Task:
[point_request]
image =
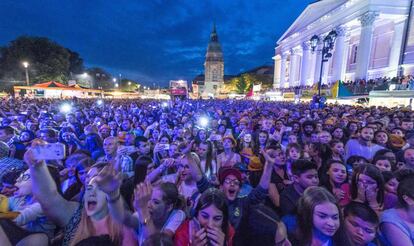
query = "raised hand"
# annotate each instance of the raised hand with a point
(108, 180)
(188, 148)
(29, 158)
(267, 157)
(142, 195)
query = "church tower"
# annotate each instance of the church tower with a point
(213, 67)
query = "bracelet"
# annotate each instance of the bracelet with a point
(113, 200)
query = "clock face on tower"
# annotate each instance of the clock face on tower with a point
(214, 75)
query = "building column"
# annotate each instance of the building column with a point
(293, 71)
(305, 63)
(339, 61)
(283, 71)
(365, 44)
(277, 72)
(395, 52)
(318, 59)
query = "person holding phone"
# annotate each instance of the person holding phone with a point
(210, 225)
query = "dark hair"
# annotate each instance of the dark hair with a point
(140, 168)
(405, 188)
(164, 136)
(216, 198)
(361, 210)
(387, 175)
(312, 197)
(209, 157)
(354, 158)
(374, 173)
(50, 132)
(380, 158)
(325, 177)
(8, 129)
(140, 139)
(96, 241)
(300, 166)
(171, 196)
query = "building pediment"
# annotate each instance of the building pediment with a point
(312, 12)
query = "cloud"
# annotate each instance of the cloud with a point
(155, 40)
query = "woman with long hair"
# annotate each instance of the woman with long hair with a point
(336, 181)
(207, 160)
(31, 224)
(158, 209)
(210, 224)
(367, 186)
(397, 224)
(319, 219)
(80, 220)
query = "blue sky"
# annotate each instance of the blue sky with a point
(154, 41)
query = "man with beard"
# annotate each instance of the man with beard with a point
(363, 146)
(308, 127)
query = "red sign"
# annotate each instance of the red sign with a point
(179, 92)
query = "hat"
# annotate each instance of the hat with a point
(396, 141)
(231, 138)
(121, 136)
(246, 152)
(226, 171)
(4, 149)
(330, 121)
(255, 164)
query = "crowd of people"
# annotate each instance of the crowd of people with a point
(205, 172)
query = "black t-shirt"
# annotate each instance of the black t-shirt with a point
(289, 200)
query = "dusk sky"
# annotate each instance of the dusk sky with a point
(154, 41)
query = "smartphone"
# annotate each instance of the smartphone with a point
(51, 151)
(288, 128)
(165, 146)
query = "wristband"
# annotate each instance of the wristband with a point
(110, 195)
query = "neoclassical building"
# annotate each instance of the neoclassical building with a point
(375, 39)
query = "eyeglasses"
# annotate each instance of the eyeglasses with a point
(23, 177)
(234, 182)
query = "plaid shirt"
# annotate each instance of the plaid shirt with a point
(8, 164)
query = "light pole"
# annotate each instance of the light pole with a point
(26, 66)
(328, 44)
(115, 84)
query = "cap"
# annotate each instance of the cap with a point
(396, 141)
(231, 138)
(226, 171)
(121, 136)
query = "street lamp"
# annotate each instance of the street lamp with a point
(129, 83)
(26, 66)
(328, 44)
(116, 85)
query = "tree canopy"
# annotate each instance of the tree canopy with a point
(47, 60)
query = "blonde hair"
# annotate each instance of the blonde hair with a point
(86, 229)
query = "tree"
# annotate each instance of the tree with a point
(243, 83)
(48, 60)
